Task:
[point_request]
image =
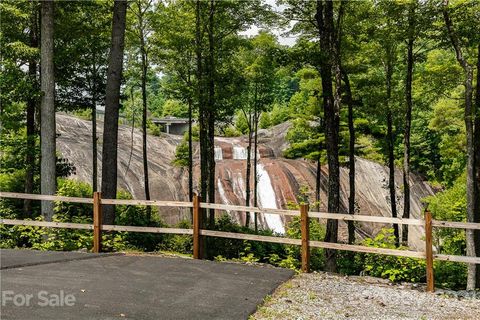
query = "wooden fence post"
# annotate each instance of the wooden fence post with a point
(429, 251)
(197, 224)
(97, 222)
(305, 238)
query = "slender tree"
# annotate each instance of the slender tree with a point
(472, 216)
(94, 135)
(476, 234)
(83, 30)
(142, 32)
(211, 105)
(326, 30)
(47, 113)
(248, 174)
(408, 120)
(259, 66)
(318, 179)
(190, 152)
(199, 34)
(112, 105)
(32, 104)
(172, 47)
(391, 143)
(255, 162)
(351, 155)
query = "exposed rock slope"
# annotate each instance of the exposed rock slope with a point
(279, 179)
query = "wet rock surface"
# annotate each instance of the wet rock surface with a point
(330, 296)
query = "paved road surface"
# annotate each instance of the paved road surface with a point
(132, 287)
(12, 258)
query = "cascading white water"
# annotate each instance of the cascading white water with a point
(218, 153)
(239, 153)
(222, 193)
(267, 198)
(238, 186)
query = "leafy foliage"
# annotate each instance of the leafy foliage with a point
(393, 268)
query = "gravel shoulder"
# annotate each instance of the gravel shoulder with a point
(329, 296)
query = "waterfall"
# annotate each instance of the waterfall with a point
(239, 186)
(239, 153)
(267, 199)
(222, 193)
(218, 153)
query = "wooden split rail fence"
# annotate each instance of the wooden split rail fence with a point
(198, 232)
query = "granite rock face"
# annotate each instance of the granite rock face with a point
(280, 180)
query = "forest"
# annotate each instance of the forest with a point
(396, 82)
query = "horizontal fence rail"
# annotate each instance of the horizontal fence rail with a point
(228, 207)
(146, 229)
(365, 218)
(198, 232)
(252, 237)
(456, 225)
(28, 196)
(48, 224)
(157, 203)
(365, 249)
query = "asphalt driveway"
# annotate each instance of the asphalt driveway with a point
(86, 286)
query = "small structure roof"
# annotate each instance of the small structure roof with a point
(169, 120)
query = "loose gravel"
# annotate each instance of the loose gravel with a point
(330, 296)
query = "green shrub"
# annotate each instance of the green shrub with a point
(265, 121)
(317, 233)
(391, 267)
(279, 114)
(137, 216)
(450, 275)
(349, 262)
(179, 243)
(75, 239)
(73, 188)
(85, 114)
(231, 131)
(153, 129)
(450, 205)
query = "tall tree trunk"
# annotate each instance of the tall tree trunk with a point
(190, 151)
(471, 175)
(351, 158)
(211, 110)
(211, 166)
(94, 144)
(390, 143)
(476, 233)
(324, 18)
(93, 88)
(190, 156)
(249, 166)
(391, 173)
(202, 112)
(255, 164)
(408, 122)
(112, 106)
(143, 50)
(318, 181)
(318, 175)
(31, 106)
(47, 113)
(469, 126)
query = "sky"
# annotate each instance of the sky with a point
(285, 40)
